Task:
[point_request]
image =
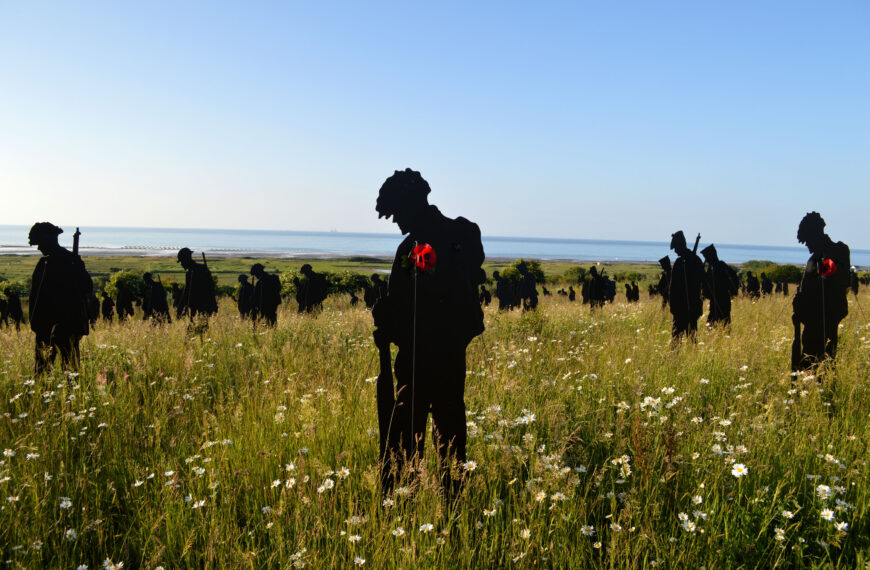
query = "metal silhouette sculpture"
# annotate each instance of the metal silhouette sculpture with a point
(124, 302)
(107, 307)
(505, 292)
(245, 301)
(59, 296)
(154, 303)
(311, 290)
(13, 309)
(374, 291)
(721, 283)
(198, 299)
(267, 294)
(753, 288)
(664, 284)
(527, 287)
(820, 302)
(684, 295)
(432, 312)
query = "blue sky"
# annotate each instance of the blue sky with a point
(575, 120)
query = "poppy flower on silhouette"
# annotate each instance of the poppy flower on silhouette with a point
(423, 257)
(827, 267)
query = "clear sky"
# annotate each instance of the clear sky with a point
(612, 120)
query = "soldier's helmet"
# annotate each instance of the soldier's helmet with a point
(184, 253)
(403, 189)
(257, 269)
(709, 253)
(811, 225)
(146, 276)
(665, 263)
(678, 239)
(41, 231)
(375, 277)
(243, 278)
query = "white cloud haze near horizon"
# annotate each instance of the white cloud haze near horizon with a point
(566, 120)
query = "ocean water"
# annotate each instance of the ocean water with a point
(164, 241)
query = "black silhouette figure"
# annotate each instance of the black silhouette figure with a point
(485, 296)
(93, 308)
(504, 292)
(375, 291)
(311, 290)
(753, 288)
(267, 294)
(684, 295)
(198, 296)
(177, 304)
(59, 296)
(14, 310)
(766, 284)
(545, 291)
(594, 289)
(154, 303)
(124, 302)
(528, 288)
(245, 301)
(777, 288)
(571, 293)
(785, 288)
(4, 312)
(354, 300)
(431, 314)
(721, 283)
(853, 281)
(107, 307)
(664, 286)
(820, 302)
(635, 291)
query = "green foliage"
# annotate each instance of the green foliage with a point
(22, 288)
(776, 272)
(574, 274)
(132, 280)
(534, 266)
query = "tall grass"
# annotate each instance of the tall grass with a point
(594, 444)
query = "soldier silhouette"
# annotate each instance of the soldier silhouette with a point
(154, 303)
(664, 286)
(107, 307)
(752, 285)
(14, 308)
(93, 308)
(198, 296)
(545, 291)
(597, 293)
(720, 284)
(4, 312)
(245, 301)
(58, 300)
(354, 300)
(504, 291)
(528, 288)
(375, 291)
(267, 294)
(628, 293)
(820, 302)
(485, 296)
(777, 288)
(431, 313)
(635, 291)
(311, 290)
(571, 293)
(684, 295)
(853, 281)
(124, 302)
(785, 288)
(766, 284)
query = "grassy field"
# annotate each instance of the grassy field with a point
(593, 442)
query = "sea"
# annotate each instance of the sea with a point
(296, 244)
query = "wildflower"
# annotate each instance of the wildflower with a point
(787, 515)
(279, 418)
(828, 514)
(359, 561)
(169, 473)
(824, 492)
(470, 465)
(739, 470)
(290, 483)
(266, 510)
(31, 456)
(65, 502)
(540, 496)
(697, 500)
(109, 565)
(525, 534)
(596, 545)
(688, 526)
(842, 526)
(587, 530)
(489, 512)
(399, 532)
(615, 527)
(683, 517)
(354, 538)
(343, 473)
(71, 534)
(8, 453)
(780, 534)
(138, 483)
(276, 483)
(388, 502)
(697, 420)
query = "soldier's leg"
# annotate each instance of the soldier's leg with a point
(68, 348)
(43, 355)
(448, 418)
(831, 339)
(812, 344)
(409, 419)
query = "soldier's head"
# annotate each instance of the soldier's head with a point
(185, 257)
(522, 268)
(404, 196)
(678, 241)
(763, 275)
(257, 270)
(811, 231)
(665, 263)
(748, 274)
(710, 254)
(593, 271)
(306, 270)
(44, 236)
(376, 278)
(146, 277)
(496, 275)
(243, 278)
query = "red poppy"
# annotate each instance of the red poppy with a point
(423, 257)
(827, 267)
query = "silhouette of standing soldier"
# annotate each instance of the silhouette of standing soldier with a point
(504, 291)
(4, 312)
(311, 290)
(571, 293)
(766, 284)
(485, 296)
(245, 301)
(752, 285)
(107, 307)
(853, 281)
(267, 294)
(685, 290)
(597, 288)
(124, 302)
(431, 313)
(375, 291)
(820, 302)
(635, 291)
(198, 296)
(58, 300)
(14, 308)
(528, 288)
(154, 304)
(664, 286)
(720, 284)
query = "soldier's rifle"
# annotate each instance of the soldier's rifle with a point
(697, 241)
